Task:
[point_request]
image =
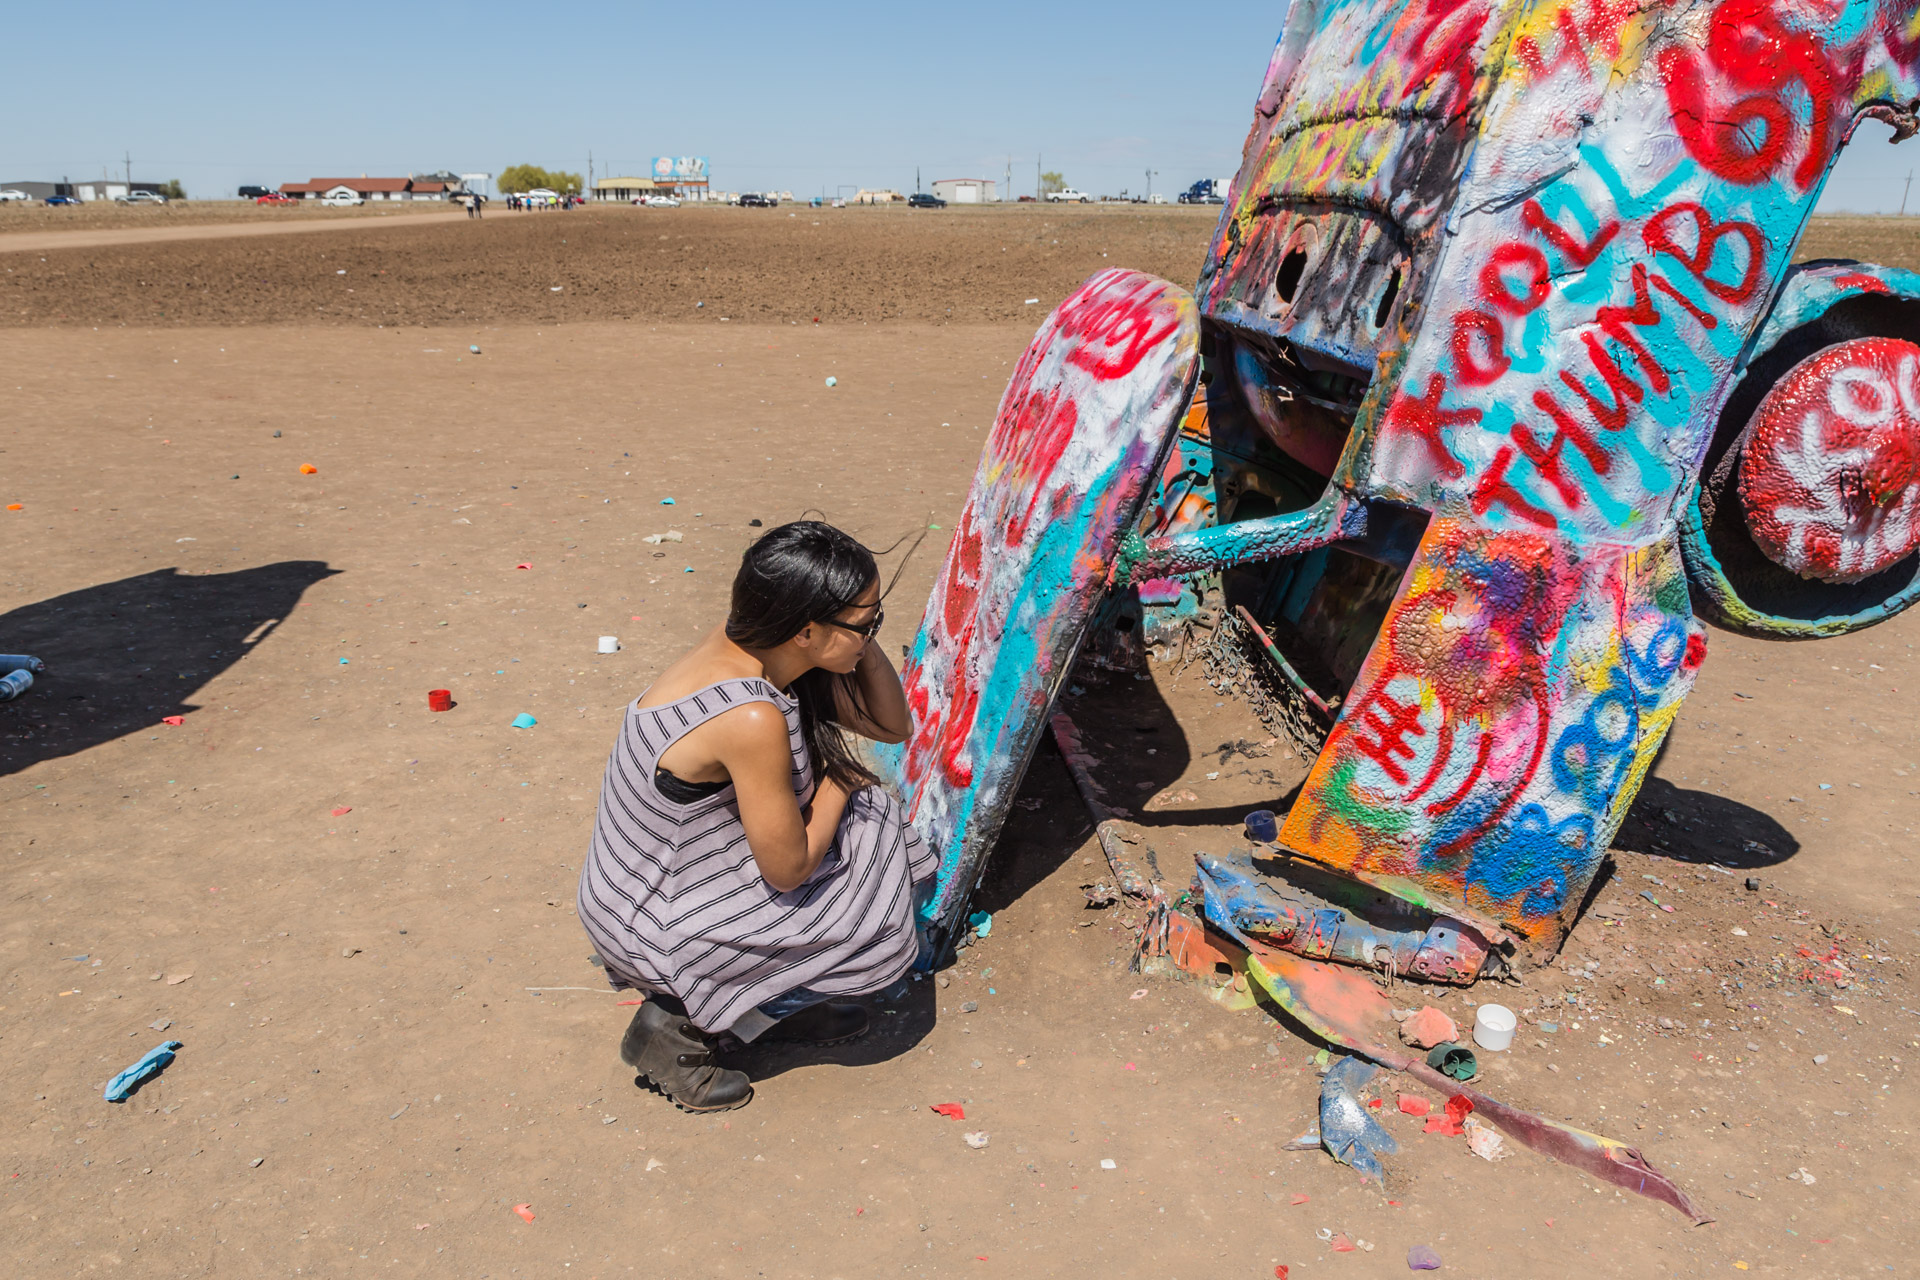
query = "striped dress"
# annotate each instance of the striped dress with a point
(674, 903)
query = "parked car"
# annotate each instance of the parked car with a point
(254, 193)
(660, 202)
(143, 197)
(921, 200)
(755, 200)
(339, 201)
(274, 197)
(1069, 194)
(61, 200)
(10, 195)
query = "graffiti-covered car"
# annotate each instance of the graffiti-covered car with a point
(1496, 373)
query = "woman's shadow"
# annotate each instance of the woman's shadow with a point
(122, 655)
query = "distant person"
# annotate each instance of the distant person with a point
(745, 866)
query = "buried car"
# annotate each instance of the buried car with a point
(1496, 371)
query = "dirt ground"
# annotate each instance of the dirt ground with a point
(299, 879)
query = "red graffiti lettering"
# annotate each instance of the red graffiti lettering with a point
(1572, 53)
(1115, 330)
(1705, 319)
(1707, 235)
(1452, 56)
(1498, 287)
(1494, 487)
(963, 579)
(1390, 733)
(1045, 428)
(1613, 321)
(1611, 416)
(1580, 255)
(1479, 347)
(1756, 56)
(1423, 418)
(1546, 457)
(1564, 425)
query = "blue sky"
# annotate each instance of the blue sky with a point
(807, 97)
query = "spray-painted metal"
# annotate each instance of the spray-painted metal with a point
(1504, 362)
(1078, 440)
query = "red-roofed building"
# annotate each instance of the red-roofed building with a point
(367, 188)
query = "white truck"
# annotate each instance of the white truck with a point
(1069, 194)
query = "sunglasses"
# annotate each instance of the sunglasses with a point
(866, 630)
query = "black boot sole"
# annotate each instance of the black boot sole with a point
(646, 1082)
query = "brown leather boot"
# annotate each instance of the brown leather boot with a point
(677, 1058)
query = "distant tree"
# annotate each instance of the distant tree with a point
(516, 178)
(1051, 181)
(172, 189)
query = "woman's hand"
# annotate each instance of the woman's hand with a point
(881, 712)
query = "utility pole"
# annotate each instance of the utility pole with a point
(1038, 163)
(916, 179)
(1904, 194)
(589, 191)
(129, 158)
(1006, 191)
(1149, 186)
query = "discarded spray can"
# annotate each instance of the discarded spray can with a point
(15, 683)
(11, 662)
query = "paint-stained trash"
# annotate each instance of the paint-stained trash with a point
(1413, 1105)
(1484, 1140)
(977, 1139)
(672, 535)
(525, 1211)
(666, 502)
(1108, 1164)
(122, 1086)
(523, 721)
(951, 1110)
(1349, 1134)
(608, 644)
(1452, 1122)
(981, 923)
(342, 811)
(1262, 827)
(833, 382)
(175, 721)
(1429, 1027)
(474, 348)
(1422, 1258)
(308, 469)
(1455, 1061)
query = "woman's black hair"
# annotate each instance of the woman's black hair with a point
(793, 575)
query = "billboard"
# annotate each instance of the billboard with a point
(681, 168)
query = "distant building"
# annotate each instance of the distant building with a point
(39, 190)
(627, 190)
(110, 189)
(965, 190)
(371, 189)
(878, 195)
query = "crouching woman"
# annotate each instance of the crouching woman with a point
(746, 866)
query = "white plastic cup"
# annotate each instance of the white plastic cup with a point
(1493, 1027)
(609, 644)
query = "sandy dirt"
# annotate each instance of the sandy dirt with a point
(108, 215)
(65, 238)
(299, 880)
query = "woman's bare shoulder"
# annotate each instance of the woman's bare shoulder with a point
(701, 667)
